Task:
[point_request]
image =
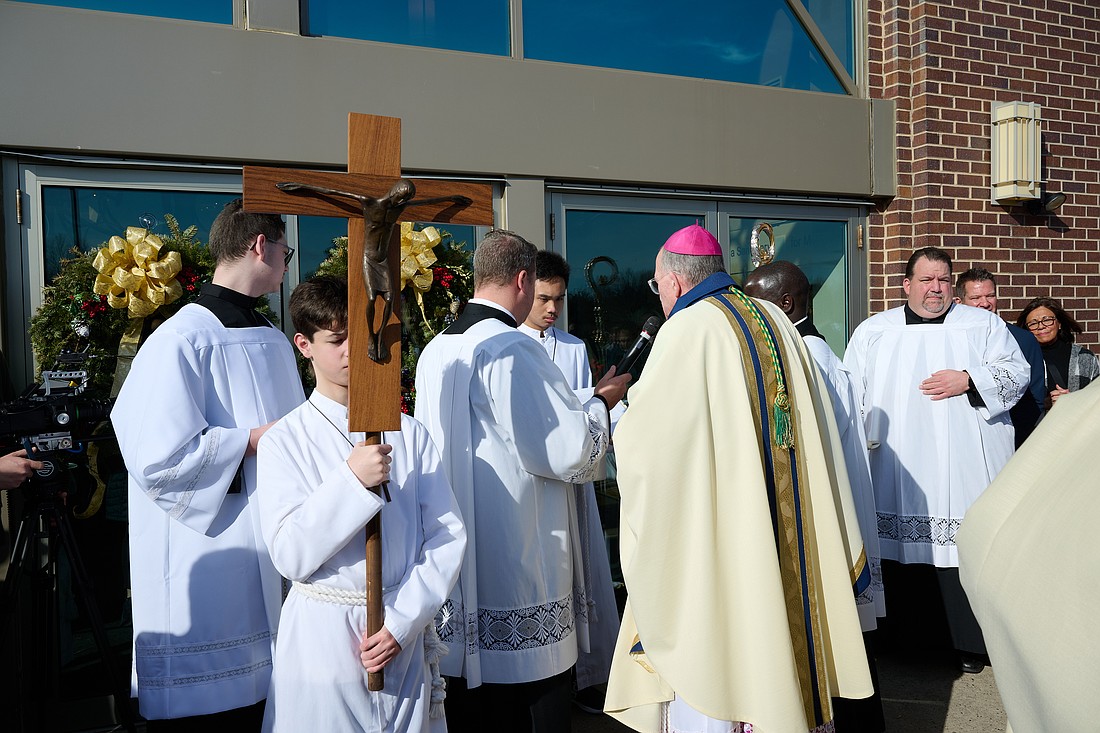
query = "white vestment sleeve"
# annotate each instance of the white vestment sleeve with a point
(1003, 376)
(427, 582)
(555, 435)
(172, 453)
(304, 526)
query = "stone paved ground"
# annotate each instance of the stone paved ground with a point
(921, 693)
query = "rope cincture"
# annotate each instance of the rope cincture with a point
(783, 435)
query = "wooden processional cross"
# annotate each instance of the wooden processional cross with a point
(373, 197)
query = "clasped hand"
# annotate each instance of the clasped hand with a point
(370, 463)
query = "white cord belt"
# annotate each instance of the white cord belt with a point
(328, 594)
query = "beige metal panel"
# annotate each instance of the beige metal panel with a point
(127, 85)
(524, 209)
(884, 176)
(272, 15)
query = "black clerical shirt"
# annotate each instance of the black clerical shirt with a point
(233, 309)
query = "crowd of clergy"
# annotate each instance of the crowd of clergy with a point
(777, 503)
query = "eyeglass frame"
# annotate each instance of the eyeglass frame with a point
(653, 282)
(289, 251)
(1041, 322)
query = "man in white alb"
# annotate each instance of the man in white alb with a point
(513, 439)
(571, 356)
(938, 381)
(202, 390)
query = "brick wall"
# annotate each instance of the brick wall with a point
(945, 63)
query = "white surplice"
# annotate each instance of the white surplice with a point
(206, 597)
(513, 438)
(930, 459)
(313, 512)
(594, 666)
(845, 399)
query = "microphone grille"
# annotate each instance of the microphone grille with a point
(651, 325)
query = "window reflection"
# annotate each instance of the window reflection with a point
(209, 11)
(755, 43)
(86, 217)
(611, 255)
(477, 26)
(819, 248)
(835, 20)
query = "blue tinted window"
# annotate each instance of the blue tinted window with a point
(87, 217)
(210, 11)
(834, 20)
(478, 26)
(760, 42)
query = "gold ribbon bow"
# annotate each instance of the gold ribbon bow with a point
(417, 257)
(132, 277)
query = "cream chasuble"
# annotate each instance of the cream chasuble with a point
(1029, 563)
(739, 556)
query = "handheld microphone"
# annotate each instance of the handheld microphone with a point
(649, 330)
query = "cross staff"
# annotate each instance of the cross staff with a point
(374, 166)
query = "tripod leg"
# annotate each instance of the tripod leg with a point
(84, 593)
(15, 572)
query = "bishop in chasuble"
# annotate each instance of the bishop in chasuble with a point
(513, 438)
(201, 391)
(738, 536)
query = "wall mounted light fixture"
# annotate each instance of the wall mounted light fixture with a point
(1016, 153)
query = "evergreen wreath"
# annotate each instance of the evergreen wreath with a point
(75, 317)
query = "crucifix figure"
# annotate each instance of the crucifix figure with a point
(373, 197)
(380, 214)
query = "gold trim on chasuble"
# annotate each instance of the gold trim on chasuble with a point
(792, 521)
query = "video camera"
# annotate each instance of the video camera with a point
(54, 416)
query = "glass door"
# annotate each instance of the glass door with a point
(819, 240)
(610, 244)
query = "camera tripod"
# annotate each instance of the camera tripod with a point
(46, 521)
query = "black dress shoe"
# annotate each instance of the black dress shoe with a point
(971, 663)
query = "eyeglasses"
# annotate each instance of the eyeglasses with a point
(289, 251)
(1041, 323)
(288, 255)
(652, 282)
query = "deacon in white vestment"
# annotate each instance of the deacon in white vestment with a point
(936, 450)
(513, 438)
(938, 381)
(201, 391)
(740, 553)
(571, 356)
